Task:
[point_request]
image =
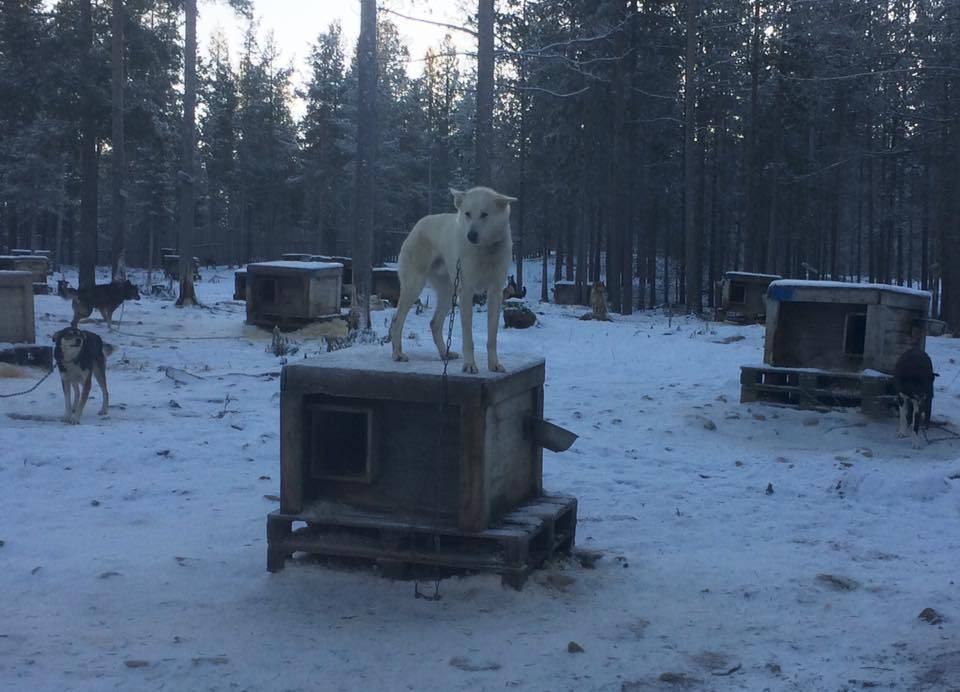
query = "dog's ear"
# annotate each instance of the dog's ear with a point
(504, 200)
(458, 196)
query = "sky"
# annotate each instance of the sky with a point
(296, 23)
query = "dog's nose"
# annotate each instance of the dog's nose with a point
(472, 236)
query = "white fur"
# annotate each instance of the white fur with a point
(432, 251)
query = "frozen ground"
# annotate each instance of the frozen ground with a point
(132, 548)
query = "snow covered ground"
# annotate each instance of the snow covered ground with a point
(132, 548)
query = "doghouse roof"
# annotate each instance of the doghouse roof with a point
(10, 277)
(378, 376)
(796, 290)
(289, 265)
(750, 276)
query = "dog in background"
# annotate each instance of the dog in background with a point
(476, 239)
(598, 303)
(512, 290)
(80, 356)
(913, 379)
(105, 298)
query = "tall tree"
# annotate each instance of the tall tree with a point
(485, 97)
(117, 146)
(89, 151)
(324, 138)
(692, 230)
(363, 194)
(188, 294)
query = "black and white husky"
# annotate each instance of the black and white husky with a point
(913, 378)
(80, 356)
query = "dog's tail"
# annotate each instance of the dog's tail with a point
(108, 349)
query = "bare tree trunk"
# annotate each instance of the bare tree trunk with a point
(925, 228)
(88, 155)
(545, 267)
(632, 150)
(118, 155)
(694, 280)
(750, 231)
(522, 192)
(363, 192)
(188, 295)
(485, 74)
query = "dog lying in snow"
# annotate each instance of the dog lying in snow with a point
(106, 298)
(913, 379)
(478, 238)
(80, 356)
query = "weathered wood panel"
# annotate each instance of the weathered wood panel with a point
(465, 464)
(16, 308)
(288, 291)
(511, 455)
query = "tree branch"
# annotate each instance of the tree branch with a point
(453, 27)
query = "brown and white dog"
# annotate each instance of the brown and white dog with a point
(80, 356)
(105, 298)
(913, 379)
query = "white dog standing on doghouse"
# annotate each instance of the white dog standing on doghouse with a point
(478, 236)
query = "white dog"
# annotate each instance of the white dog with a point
(478, 237)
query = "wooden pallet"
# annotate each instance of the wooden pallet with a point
(513, 547)
(813, 389)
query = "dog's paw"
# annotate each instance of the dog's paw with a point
(401, 357)
(497, 368)
(103, 413)
(470, 368)
(452, 355)
(901, 434)
(71, 420)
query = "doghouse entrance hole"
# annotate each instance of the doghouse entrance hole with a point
(267, 290)
(855, 334)
(738, 293)
(341, 443)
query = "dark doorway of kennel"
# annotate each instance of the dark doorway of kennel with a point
(341, 442)
(855, 334)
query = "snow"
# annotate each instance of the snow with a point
(889, 288)
(421, 362)
(134, 549)
(290, 264)
(751, 275)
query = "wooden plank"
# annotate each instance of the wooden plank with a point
(17, 318)
(474, 511)
(509, 453)
(292, 448)
(536, 481)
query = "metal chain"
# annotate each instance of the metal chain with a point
(453, 311)
(38, 383)
(444, 400)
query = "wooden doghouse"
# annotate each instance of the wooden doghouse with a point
(17, 329)
(386, 284)
(830, 343)
(16, 308)
(37, 265)
(240, 284)
(377, 465)
(171, 267)
(292, 293)
(566, 293)
(346, 290)
(742, 296)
